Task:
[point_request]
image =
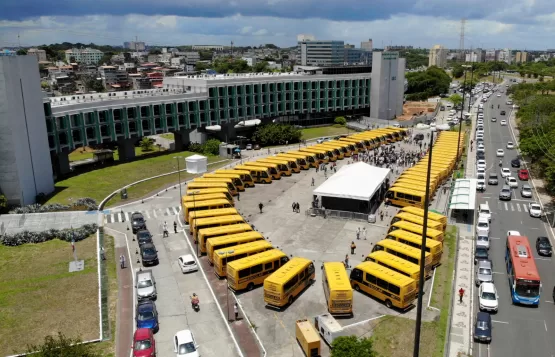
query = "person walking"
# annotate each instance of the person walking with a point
(122, 261)
(298, 208)
(236, 311)
(346, 261)
(353, 247)
(238, 196)
(175, 227)
(102, 253)
(312, 184)
(461, 294)
(381, 215)
(165, 229)
(260, 206)
(294, 206)
(358, 233)
(364, 233)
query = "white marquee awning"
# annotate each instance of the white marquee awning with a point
(464, 195)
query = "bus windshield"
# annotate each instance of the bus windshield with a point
(527, 288)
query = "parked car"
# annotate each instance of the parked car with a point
(147, 315)
(500, 153)
(493, 179)
(484, 211)
(149, 254)
(144, 344)
(144, 236)
(502, 112)
(543, 246)
(489, 300)
(138, 222)
(481, 164)
(534, 209)
(484, 272)
(526, 191)
(523, 175)
(480, 254)
(185, 344)
(256, 147)
(510, 145)
(482, 242)
(146, 285)
(187, 263)
(482, 327)
(493, 119)
(249, 147)
(482, 227)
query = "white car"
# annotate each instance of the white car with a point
(510, 145)
(481, 146)
(513, 233)
(489, 300)
(482, 228)
(500, 153)
(503, 122)
(481, 116)
(481, 171)
(511, 181)
(493, 119)
(509, 102)
(184, 344)
(481, 164)
(534, 209)
(498, 94)
(187, 263)
(249, 147)
(505, 172)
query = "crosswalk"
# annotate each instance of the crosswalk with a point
(116, 217)
(511, 206)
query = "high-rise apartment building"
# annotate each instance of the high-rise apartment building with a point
(320, 52)
(522, 57)
(492, 55)
(41, 54)
(135, 46)
(437, 56)
(84, 55)
(475, 56)
(387, 86)
(505, 56)
(367, 45)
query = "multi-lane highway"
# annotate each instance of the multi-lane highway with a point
(518, 331)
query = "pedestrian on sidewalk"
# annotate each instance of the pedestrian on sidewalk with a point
(260, 206)
(358, 233)
(175, 227)
(236, 311)
(381, 215)
(294, 206)
(346, 261)
(298, 208)
(122, 261)
(312, 184)
(238, 196)
(353, 247)
(364, 233)
(461, 294)
(102, 253)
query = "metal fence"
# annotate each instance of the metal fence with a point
(331, 213)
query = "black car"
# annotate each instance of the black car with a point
(144, 236)
(502, 112)
(543, 246)
(138, 222)
(515, 162)
(482, 327)
(149, 254)
(480, 253)
(480, 155)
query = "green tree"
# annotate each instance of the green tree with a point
(3, 203)
(352, 346)
(276, 134)
(21, 52)
(340, 121)
(456, 99)
(155, 52)
(428, 83)
(457, 71)
(261, 66)
(62, 346)
(211, 147)
(201, 66)
(146, 144)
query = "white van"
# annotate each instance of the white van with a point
(484, 211)
(329, 328)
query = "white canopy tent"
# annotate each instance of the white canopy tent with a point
(196, 164)
(358, 181)
(464, 195)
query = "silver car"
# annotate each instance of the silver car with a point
(526, 191)
(505, 193)
(484, 272)
(146, 285)
(482, 241)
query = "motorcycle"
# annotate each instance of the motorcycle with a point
(500, 163)
(195, 304)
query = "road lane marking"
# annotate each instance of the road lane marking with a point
(126, 216)
(494, 238)
(364, 321)
(147, 214)
(518, 207)
(496, 272)
(525, 208)
(534, 228)
(512, 208)
(500, 322)
(170, 213)
(543, 259)
(154, 213)
(506, 207)
(545, 324)
(550, 302)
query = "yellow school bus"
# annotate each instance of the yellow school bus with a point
(337, 289)
(395, 263)
(273, 169)
(259, 174)
(291, 162)
(244, 175)
(210, 191)
(300, 161)
(248, 272)
(417, 229)
(308, 338)
(204, 235)
(358, 143)
(204, 205)
(224, 256)
(431, 215)
(227, 181)
(433, 247)
(415, 186)
(230, 240)
(235, 178)
(195, 188)
(348, 146)
(210, 222)
(339, 150)
(354, 147)
(401, 196)
(333, 153)
(412, 218)
(405, 252)
(321, 154)
(286, 283)
(442, 173)
(310, 158)
(210, 213)
(413, 182)
(369, 142)
(282, 165)
(210, 196)
(384, 284)
(416, 176)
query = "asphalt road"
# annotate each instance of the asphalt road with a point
(517, 330)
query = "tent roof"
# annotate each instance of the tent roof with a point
(464, 194)
(358, 181)
(195, 158)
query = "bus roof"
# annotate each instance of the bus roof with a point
(206, 203)
(205, 184)
(243, 248)
(309, 332)
(204, 196)
(259, 258)
(413, 227)
(383, 273)
(304, 155)
(264, 164)
(220, 219)
(223, 174)
(232, 228)
(414, 218)
(409, 191)
(337, 276)
(237, 236)
(213, 179)
(420, 211)
(249, 168)
(207, 191)
(292, 267)
(412, 237)
(524, 264)
(395, 262)
(277, 160)
(401, 247)
(213, 213)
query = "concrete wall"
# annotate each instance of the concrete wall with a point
(387, 85)
(25, 164)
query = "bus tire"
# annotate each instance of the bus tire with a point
(357, 288)
(250, 286)
(290, 300)
(388, 304)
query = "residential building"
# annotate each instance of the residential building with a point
(84, 55)
(192, 57)
(437, 56)
(208, 47)
(113, 78)
(505, 56)
(66, 70)
(274, 65)
(492, 55)
(25, 161)
(522, 57)
(140, 82)
(477, 55)
(41, 54)
(320, 53)
(135, 46)
(388, 85)
(251, 61)
(6, 52)
(178, 61)
(367, 45)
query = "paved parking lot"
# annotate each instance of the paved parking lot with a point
(38, 222)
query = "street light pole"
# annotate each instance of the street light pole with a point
(460, 123)
(471, 79)
(179, 178)
(227, 253)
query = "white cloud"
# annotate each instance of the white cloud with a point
(245, 30)
(260, 32)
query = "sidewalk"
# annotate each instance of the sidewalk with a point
(459, 340)
(124, 321)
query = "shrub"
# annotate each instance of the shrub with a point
(211, 147)
(67, 235)
(276, 134)
(81, 204)
(340, 121)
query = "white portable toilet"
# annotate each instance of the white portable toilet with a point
(196, 164)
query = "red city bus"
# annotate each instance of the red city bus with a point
(524, 280)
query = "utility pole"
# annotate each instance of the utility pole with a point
(416, 351)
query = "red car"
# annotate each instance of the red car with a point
(144, 344)
(523, 175)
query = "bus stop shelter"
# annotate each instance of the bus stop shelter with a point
(463, 198)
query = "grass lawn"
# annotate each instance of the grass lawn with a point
(169, 136)
(87, 153)
(39, 297)
(100, 183)
(394, 336)
(311, 133)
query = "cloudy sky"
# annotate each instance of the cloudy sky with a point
(516, 24)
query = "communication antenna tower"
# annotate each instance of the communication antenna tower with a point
(461, 41)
